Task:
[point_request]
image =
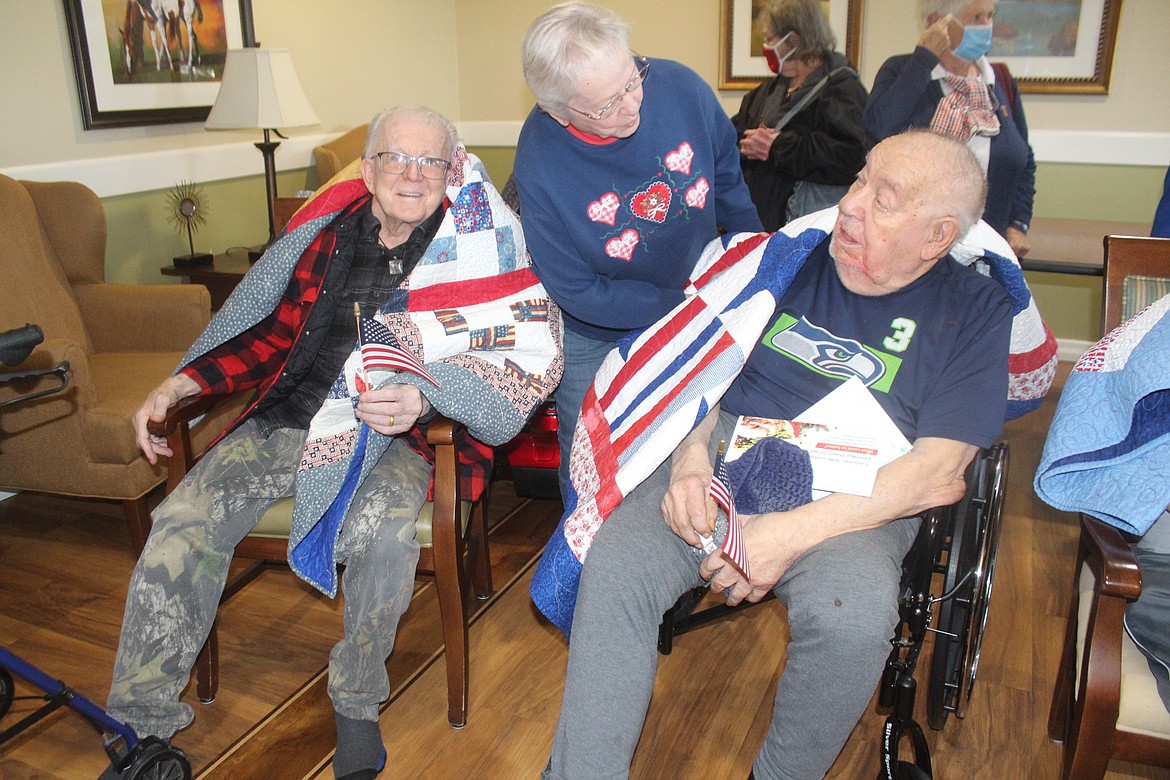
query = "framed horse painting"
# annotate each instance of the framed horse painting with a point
(149, 62)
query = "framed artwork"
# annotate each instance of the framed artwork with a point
(149, 62)
(741, 55)
(1063, 46)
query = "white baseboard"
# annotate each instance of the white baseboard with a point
(1072, 349)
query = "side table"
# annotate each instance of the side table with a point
(220, 278)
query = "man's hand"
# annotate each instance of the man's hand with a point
(155, 408)
(942, 36)
(686, 506)
(757, 143)
(769, 555)
(392, 409)
(1018, 241)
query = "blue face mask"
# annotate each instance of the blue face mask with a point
(976, 42)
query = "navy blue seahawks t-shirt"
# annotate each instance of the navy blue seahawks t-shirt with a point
(934, 354)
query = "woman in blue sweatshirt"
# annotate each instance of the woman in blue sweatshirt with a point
(626, 168)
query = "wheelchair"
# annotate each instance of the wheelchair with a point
(959, 542)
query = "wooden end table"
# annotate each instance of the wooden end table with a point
(220, 278)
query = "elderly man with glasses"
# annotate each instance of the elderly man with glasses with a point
(626, 168)
(362, 262)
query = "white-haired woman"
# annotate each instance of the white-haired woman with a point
(626, 168)
(948, 85)
(817, 99)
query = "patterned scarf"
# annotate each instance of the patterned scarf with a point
(966, 111)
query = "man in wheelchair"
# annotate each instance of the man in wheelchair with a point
(884, 282)
(336, 426)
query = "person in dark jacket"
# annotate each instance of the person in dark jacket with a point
(809, 161)
(948, 85)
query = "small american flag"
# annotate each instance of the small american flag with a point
(720, 491)
(380, 350)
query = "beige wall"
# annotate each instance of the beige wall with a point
(355, 57)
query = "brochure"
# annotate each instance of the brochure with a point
(847, 434)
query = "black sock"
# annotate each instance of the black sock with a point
(359, 746)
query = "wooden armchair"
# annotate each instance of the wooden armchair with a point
(120, 341)
(451, 532)
(1106, 703)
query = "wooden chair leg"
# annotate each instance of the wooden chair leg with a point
(453, 614)
(482, 573)
(138, 521)
(207, 669)
(1060, 713)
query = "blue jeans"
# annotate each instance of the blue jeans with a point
(583, 356)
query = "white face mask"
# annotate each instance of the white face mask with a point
(772, 54)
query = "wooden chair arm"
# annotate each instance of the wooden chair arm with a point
(441, 430)
(176, 427)
(1111, 559)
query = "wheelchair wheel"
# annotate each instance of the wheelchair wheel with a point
(6, 691)
(159, 761)
(970, 571)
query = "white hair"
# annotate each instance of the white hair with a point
(566, 42)
(413, 112)
(941, 8)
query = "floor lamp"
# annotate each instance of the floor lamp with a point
(260, 90)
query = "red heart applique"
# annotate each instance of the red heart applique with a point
(652, 203)
(680, 160)
(603, 210)
(622, 246)
(697, 196)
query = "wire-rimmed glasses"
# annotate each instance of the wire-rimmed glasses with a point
(398, 162)
(643, 66)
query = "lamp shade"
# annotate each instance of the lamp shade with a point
(260, 89)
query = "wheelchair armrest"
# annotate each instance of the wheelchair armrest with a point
(1111, 559)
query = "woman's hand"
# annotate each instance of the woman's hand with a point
(1018, 241)
(757, 143)
(942, 36)
(392, 409)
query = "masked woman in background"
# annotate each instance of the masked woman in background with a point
(948, 85)
(802, 137)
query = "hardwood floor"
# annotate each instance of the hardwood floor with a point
(64, 565)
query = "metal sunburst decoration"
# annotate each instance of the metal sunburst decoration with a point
(188, 209)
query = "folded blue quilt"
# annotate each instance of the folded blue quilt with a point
(1108, 450)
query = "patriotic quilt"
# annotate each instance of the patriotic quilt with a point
(476, 333)
(1108, 450)
(658, 383)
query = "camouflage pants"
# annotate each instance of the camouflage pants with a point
(177, 583)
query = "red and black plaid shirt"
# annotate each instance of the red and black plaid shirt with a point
(256, 357)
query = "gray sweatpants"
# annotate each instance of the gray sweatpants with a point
(842, 609)
(176, 585)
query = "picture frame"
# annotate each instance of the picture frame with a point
(1062, 47)
(741, 58)
(125, 79)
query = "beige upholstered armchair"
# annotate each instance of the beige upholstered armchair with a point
(120, 341)
(334, 155)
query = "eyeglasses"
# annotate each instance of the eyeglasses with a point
(601, 113)
(397, 162)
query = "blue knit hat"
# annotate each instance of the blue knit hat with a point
(773, 476)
